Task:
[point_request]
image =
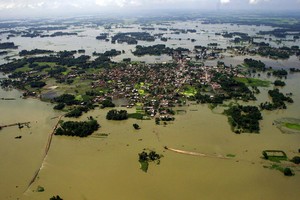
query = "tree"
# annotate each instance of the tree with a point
(57, 197)
(288, 172)
(136, 126)
(68, 99)
(279, 83)
(107, 103)
(117, 115)
(59, 106)
(296, 160)
(79, 129)
(37, 84)
(74, 113)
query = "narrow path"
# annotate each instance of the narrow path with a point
(195, 153)
(46, 152)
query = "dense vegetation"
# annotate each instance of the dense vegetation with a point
(293, 70)
(280, 73)
(255, 64)
(67, 99)
(37, 84)
(274, 52)
(34, 52)
(59, 106)
(152, 50)
(296, 160)
(80, 129)
(8, 45)
(279, 83)
(244, 118)
(107, 103)
(102, 36)
(132, 37)
(3, 53)
(278, 100)
(216, 99)
(136, 126)
(145, 158)
(117, 115)
(233, 89)
(57, 197)
(74, 113)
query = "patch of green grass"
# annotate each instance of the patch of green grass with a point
(66, 72)
(144, 165)
(230, 155)
(51, 64)
(189, 91)
(23, 69)
(136, 115)
(141, 92)
(276, 167)
(78, 98)
(277, 159)
(40, 189)
(141, 87)
(139, 105)
(253, 82)
(140, 111)
(292, 126)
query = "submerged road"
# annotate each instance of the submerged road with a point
(46, 152)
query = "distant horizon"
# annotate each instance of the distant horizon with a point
(12, 9)
(163, 12)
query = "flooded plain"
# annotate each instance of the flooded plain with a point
(107, 167)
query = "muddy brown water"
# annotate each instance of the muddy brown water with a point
(108, 167)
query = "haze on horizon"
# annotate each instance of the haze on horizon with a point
(49, 8)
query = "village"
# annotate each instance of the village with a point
(155, 88)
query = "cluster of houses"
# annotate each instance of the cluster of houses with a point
(157, 86)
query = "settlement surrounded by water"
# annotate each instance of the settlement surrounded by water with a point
(101, 165)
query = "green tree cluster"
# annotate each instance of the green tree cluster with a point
(244, 118)
(57, 197)
(67, 99)
(152, 50)
(280, 73)
(79, 129)
(37, 84)
(255, 64)
(279, 83)
(136, 126)
(107, 103)
(59, 106)
(117, 115)
(145, 158)
(278, 101)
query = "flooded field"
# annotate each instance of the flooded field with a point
(108, 167)
(20, 158)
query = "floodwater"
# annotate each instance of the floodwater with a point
(206, 33)
(107, 167)
(20, 158)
